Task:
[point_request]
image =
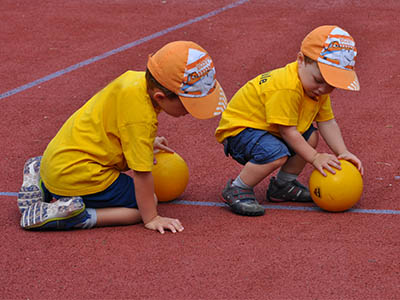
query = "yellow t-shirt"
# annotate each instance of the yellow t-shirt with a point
(271, 99)
(112, 132)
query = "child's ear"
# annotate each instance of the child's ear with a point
(159, 96)
(300, 58)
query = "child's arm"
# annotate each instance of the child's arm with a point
(144, 190)
(330, 132)
(320, 161)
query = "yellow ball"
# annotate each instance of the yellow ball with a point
(337, 192)
(171, 176)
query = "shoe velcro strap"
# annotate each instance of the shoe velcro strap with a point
(243, 194)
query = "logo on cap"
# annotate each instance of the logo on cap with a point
(199, 78)
(339, 50)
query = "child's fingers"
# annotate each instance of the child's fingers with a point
(321, 170)
(178, 225)
(161, 230)
(172, 225)
(165, 148)
(335, 164)
(175, 225)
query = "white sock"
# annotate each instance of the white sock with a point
(239, 183)
(283, 177)
(90, 222)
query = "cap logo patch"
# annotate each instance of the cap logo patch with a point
(199, 78)
(339, 50)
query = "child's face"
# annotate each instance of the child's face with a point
(314, 84)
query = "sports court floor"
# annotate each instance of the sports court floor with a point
(56, 54)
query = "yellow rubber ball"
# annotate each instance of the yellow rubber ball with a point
(337, 192)
(171, 176)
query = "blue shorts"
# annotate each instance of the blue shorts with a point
(121, 193)
(259, 146)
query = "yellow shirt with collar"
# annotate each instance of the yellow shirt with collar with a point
(271, 99)
(112, 132)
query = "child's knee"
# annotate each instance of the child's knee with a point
(280, 162)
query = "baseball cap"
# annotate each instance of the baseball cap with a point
(187, 69)
(335, 51)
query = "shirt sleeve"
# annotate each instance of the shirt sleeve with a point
(137, 146)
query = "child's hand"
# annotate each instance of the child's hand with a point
(353, 159)
(161, 143)
(161, 223)
(323, 161)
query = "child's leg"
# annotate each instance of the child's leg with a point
(110, 216)
(260, 153)
(117, 216)
(285, 187)
(252, 173)
(114, 206)
(69, 213)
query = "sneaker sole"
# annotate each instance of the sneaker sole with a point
(66, 224)
(30, 192)
(33, 216)
(276, 200)
(242, 212)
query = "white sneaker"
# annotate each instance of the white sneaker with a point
(64, 213)
(30, 191)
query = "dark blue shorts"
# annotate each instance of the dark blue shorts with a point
(259, 146)
(121, 193)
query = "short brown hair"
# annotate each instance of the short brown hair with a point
(153, 83)
(308, 60)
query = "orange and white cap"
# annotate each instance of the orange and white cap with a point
(186, 69)
(335, 51)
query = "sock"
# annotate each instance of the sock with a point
(283, 177)
(90, 222)
(239, 183)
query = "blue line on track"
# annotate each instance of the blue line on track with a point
(8, 194)
(118, 50)
(273, 207)
(300, 208)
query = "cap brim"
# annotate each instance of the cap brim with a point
(339, 78)
(206, 107)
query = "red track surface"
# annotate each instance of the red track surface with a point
(283, 255)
